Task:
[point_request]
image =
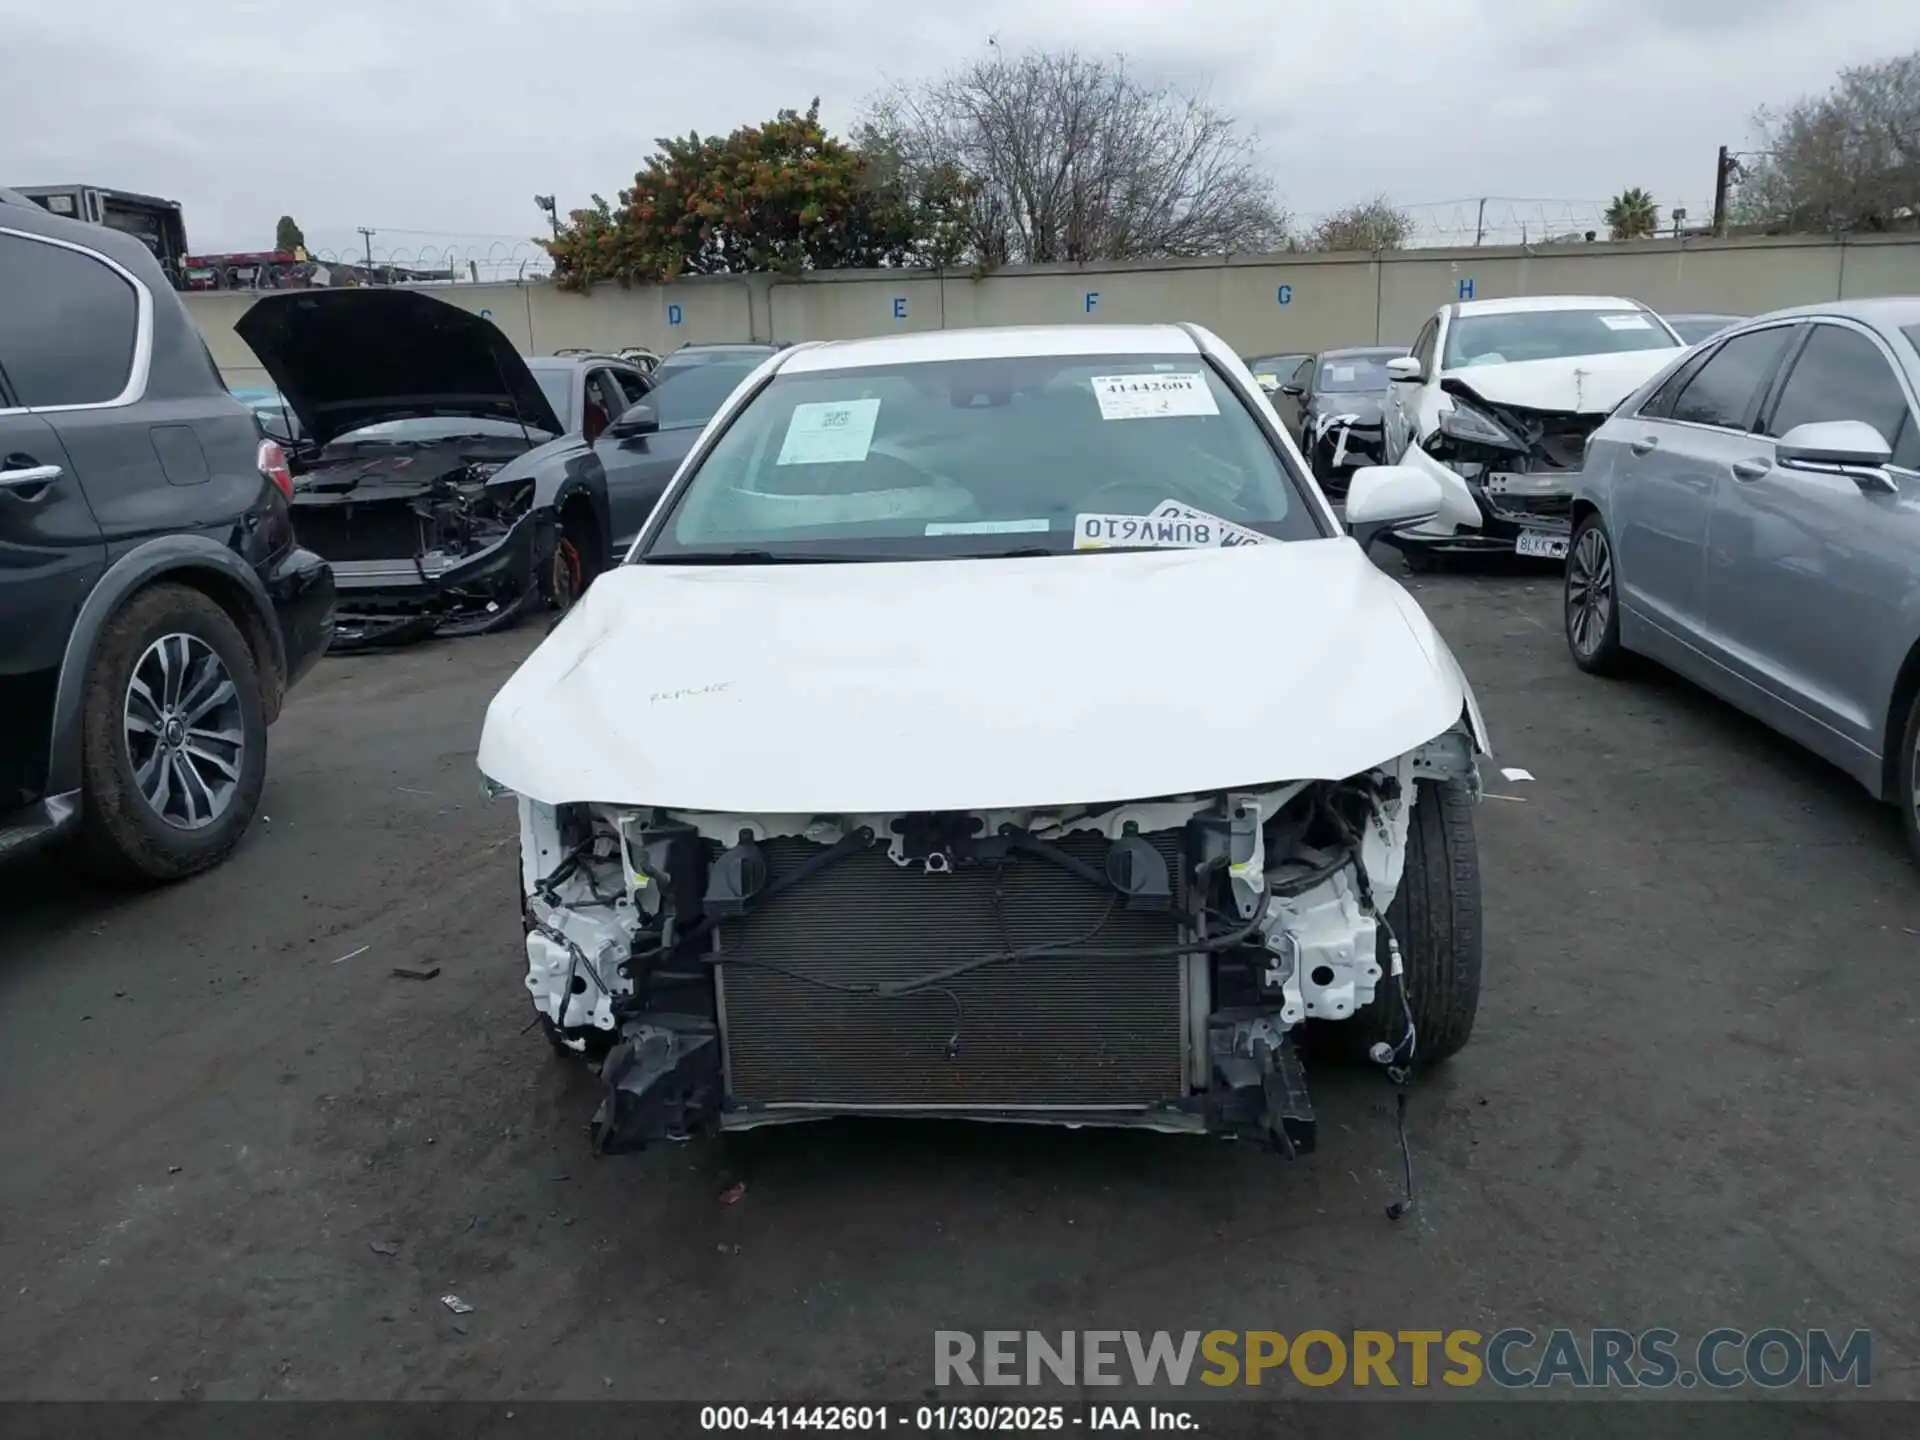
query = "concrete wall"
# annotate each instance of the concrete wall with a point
(1259, 303)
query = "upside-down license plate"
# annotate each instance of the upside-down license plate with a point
(1542, 543)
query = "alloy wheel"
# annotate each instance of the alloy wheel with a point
(1590, 590)
(186, 735)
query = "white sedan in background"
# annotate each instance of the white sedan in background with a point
(1496, 402)
(996, 724)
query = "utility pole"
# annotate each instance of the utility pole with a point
(1722, 178)
(1480, 225)
(367, 235)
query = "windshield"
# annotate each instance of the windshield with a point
(1505, 339)
(557, 386)
(1274, 367)
(1355, 372)
(1045, 453)
(1695, 328)
(690, 392)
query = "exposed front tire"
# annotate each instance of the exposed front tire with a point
(579, 554)
(1435, 915)
(1591, 609)
(1419, 560)
(173, 739)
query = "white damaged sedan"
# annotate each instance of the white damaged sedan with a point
(996, 724)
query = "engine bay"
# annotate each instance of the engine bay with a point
(1144, 962)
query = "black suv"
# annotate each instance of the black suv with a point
(154, 606)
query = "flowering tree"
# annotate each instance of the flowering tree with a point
(783, 196)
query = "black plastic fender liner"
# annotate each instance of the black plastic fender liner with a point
(662, 1082)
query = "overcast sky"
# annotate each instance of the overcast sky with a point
(445, 117)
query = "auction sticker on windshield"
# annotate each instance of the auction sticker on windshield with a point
(1625, 322)
(1153, 397)
(829, 432)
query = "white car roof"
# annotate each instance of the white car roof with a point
(990, 342)
(1523, 303)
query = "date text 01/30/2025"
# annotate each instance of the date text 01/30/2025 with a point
(976, 1419)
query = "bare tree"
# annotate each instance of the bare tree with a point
(1367, 225)
(1845, 160)
(1056, 156)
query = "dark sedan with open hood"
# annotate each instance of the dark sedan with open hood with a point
(431, 470)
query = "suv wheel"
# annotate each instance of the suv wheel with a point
(174, 739)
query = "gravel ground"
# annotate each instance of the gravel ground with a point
(246, 1160)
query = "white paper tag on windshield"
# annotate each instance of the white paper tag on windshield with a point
(1345, 372)
(1153, 397)
(1230, 533)
(1625, 322)
(829, 433)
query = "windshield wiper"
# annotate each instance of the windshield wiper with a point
(752, 557)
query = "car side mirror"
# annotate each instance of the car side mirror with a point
(1381, 498)
(640, 419)
(1838, 447)
(1403, 368)
(1293, 391)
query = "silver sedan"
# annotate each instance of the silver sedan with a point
(1750, 518)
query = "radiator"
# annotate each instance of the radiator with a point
(1060, 1032)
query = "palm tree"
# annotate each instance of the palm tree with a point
(1633, 215)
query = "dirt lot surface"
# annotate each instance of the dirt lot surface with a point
(244, 1159)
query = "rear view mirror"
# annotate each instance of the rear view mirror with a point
(1838, 447)
(640, 419)
(1381, 498)
(1403, 368)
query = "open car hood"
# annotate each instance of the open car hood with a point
(973, 684)
(352, 357)
(1575, 384)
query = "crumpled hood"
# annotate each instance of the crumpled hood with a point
(972, 684)
(353, 357)
(1576, 384)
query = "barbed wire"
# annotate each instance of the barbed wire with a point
(1504, 220)
(486, 257)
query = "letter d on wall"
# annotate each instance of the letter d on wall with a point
(675, 315)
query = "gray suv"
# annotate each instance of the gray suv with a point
(154, 605)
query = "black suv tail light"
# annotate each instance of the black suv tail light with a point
(272, 461)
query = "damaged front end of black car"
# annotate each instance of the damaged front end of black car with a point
(458, 551)
(432, 471)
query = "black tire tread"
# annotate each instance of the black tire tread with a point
(1435, 915)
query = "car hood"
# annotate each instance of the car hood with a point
(352, 357)
(1576, 384)
(973, 684)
